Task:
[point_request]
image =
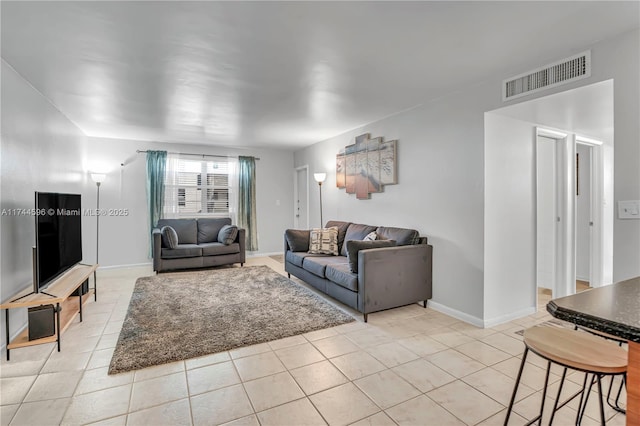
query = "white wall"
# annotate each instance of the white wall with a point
(441, 192)
(124, 240)
(41, 151)
(620, 59)
(510, 218)
(440, 189)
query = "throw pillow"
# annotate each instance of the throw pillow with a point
(297, 239)
(354, 246)
(169, 237)
(370, 237)
(324, 241)
(228, 234)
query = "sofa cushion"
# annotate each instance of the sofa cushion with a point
(342, 230)
(187, 229)
(228, 234)
(354, 247)
(297, 239)
(356, 232)
(402, 236)
(324, 241)
(214, 249)
(317, 265)
(341, 274)
(209, 228)
(181, 251)
(297, 258)
(169, 237)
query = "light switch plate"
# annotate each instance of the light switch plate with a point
(629, 209)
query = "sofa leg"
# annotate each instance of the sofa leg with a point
(424, 303)
(365, 317)
(289, 275)
(241, 264)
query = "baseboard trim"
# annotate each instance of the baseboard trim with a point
(479, 322)
(130, 265)
(509, 317)
(462, 316)
(258, 254)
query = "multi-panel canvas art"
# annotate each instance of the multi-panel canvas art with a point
(366, 166)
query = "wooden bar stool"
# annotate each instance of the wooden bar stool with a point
(575, 350)
(620, 341)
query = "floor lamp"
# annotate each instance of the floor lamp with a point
(320, 177)
(98, 178)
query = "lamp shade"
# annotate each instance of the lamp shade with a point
(320, 177)
(98, 177)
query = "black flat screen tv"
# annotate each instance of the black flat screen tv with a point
(58, 236)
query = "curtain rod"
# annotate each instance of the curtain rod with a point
(139, 151)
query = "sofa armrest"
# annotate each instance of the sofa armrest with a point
(394, 276)
(157, 249)
(242, 240)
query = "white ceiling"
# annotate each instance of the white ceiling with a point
(283, 74)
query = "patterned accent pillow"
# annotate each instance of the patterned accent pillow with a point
(228, 234)
(324, 241)
(372, 236)
(169, 237)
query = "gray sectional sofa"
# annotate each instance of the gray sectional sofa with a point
(198, 245)
(385, 277)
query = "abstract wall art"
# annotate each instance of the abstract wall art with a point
(365, 167)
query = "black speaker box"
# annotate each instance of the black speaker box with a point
(42, 322)
(82, 290)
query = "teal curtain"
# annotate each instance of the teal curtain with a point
(156, 167)
(247, 200)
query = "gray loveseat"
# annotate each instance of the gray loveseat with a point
(386, 277)
(198, 245)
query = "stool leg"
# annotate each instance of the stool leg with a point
(582, 396)
(515, 388)
(544, 392)
(623, 383)
(555, 405)
(602, 419)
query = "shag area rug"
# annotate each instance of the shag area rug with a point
(178, 316)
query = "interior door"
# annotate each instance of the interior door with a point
(584, 216)
(547, 213)
(301, 198)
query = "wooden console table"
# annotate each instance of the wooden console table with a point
(59, 294)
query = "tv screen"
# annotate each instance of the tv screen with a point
(58, 235)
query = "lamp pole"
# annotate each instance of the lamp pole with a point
(320, 177)
(98, 178)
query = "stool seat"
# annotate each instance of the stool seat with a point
(577, 350)
(602, 334)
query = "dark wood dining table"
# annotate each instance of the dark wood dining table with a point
(613, 309)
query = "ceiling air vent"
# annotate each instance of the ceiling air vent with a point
(570, 69)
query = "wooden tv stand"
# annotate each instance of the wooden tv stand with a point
(58, 293)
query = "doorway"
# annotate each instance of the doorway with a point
(569, 198)
(301, 197)
(584, 219)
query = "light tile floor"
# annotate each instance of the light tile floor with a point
(406, 366)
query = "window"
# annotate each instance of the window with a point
(197, 187)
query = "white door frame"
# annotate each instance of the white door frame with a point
(601, 263)
(565, 281)
(598, 261)
(296, 219)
